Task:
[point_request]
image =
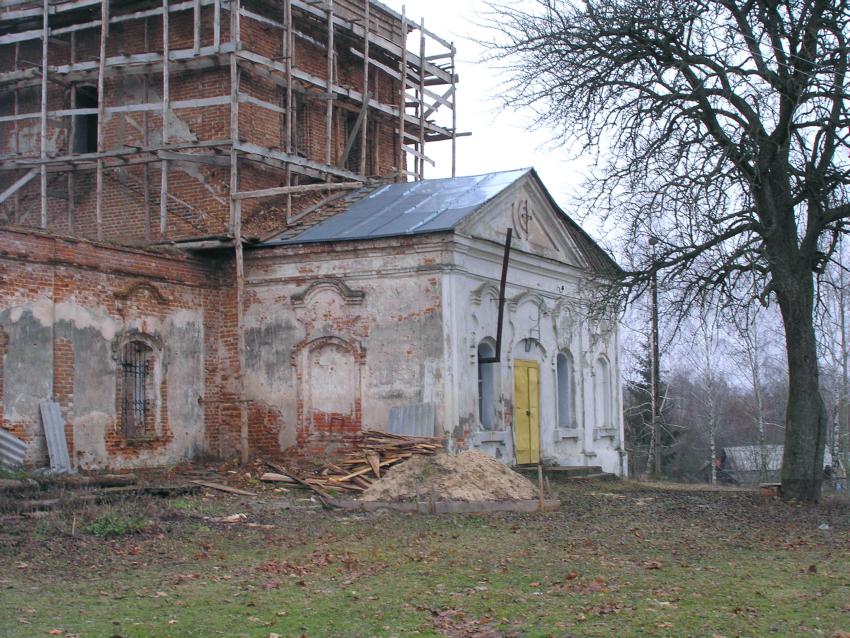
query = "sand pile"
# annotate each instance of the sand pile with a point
(469, 476)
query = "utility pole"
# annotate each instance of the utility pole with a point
(655, 368)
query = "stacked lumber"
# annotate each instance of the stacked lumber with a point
(376, 453)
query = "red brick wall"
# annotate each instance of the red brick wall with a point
(135, 289)
(198, 203)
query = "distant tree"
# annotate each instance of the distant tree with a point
(638, 417)
(727, 123)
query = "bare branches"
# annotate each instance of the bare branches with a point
(727, 121)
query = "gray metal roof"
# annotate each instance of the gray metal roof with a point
(409, 208)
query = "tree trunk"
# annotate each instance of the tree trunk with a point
(806, 418)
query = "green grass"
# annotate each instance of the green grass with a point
(619, 559)
(113, 523)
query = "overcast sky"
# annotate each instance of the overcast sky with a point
(500, 140)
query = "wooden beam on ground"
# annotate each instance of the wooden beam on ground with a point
(292, 190)
(224, 488)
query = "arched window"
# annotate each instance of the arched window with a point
(603, 393)
(487, 386)
(566, 391)
(137, 391)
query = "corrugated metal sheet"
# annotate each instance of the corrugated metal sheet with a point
(12, 450)
(417, 419)
(409, 208)
(54, 431)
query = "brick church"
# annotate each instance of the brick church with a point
(216, 238)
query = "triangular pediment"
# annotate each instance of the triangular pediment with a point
(540, 228)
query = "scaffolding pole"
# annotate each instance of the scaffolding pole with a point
(71, 182)
(236, 229)
(329, 110)
(101, 114)
(421, 102)
(166, 99)
(365, 124)
(289, 55)
(43, 127)
(402, 102)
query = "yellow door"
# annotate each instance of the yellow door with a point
(527, 411)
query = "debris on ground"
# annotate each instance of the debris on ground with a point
(274, 477)
(223, 488)
(233, 518)
(373, 456)
(468, 476)
(29, 495)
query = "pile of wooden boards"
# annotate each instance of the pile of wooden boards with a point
(376, 453)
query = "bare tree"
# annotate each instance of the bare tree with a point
(727, 122)
(835, 352)
(748, 352)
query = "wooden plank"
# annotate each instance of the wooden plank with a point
(224, 488)
(18, 185)
(264, 152)
(374, 462)
(358, 124)
(195, 158)
(273, 477)
(304, 188)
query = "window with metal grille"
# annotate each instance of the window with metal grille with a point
(136, 368)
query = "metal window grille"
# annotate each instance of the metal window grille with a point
(136, 370)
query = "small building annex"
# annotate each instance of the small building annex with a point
(209, 243)
(394, 302)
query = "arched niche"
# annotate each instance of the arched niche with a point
(329, 372)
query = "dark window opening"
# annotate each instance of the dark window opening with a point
(565, 391)
(486, 386)
(136, 367)
(352, 161)
(85, 126)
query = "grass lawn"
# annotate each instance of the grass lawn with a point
(619, 559)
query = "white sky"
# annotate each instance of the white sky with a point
(500, 140)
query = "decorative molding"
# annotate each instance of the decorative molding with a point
(137, 286)
(348, 295)
(477, 295)
(310, 345)
(527, 295)
(126, 336)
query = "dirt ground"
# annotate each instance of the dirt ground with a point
(619, 558)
